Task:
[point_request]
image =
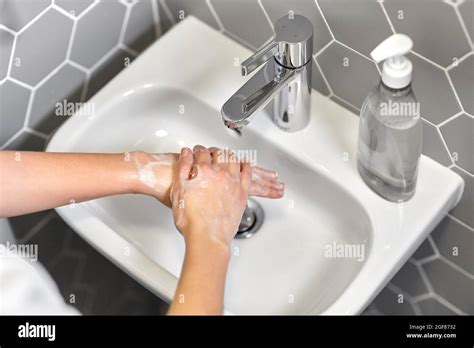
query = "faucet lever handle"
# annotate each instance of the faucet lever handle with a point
(266, 52)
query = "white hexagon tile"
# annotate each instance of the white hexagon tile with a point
(56, 50)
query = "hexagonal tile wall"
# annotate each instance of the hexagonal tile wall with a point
(348, 19)
(462, 75)
(55, 50)
(6, 44)
(432, 31)
(340, 65)
(16, 14)
(66, 85)
(231, 14)
(13, 112)
(87, 49)
(41, 47)
(74, 7)
(180, 9)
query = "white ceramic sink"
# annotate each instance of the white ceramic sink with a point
(285, 268)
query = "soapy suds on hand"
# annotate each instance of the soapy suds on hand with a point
(146, 173)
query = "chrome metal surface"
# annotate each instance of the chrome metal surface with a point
(285, 78)
(252, 220)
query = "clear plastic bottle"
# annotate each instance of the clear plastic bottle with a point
(390, 139)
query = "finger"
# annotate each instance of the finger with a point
(201, 155)
(246, 176)
(260, 174)
(265, 191)
(225, 159)
(215, 154)
(185, 163)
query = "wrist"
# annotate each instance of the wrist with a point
(153, 174)
(200, 241)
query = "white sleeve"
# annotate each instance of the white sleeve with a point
(26, 288)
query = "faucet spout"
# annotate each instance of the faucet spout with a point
(253, 96)
(284, 79)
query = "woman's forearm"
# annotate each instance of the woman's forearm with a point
(201, 284)
(34, 181)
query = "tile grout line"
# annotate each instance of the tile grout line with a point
(36, 228)
(265, 13)
(456, 267)
(463, 26)
(323, 76)
(459, 61)
(215, 15)
(389, 21)
(36, 133)
(463, 170)
(156, 19)
(446, 121)
(324, 19)
(123, 29)
(168, 12)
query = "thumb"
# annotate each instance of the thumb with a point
(184, 165)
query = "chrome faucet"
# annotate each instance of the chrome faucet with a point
(284, 79)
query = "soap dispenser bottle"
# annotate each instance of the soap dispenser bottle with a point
(390, 129)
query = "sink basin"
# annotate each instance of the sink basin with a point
(328, 247)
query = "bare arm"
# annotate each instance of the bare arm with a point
(34, 181)
(207, 209)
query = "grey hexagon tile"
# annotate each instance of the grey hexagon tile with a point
(16, 14)
(433, 145)
(234, 13)
(433, 91)
(27, 142)
(74, 7)
(424, 250)
(108, 70)
(318, 82)
(459, 136)
(13, 105)
(451, 284)
(434, 28)
(140, 31)
(41, 47)
(409, 280)
(65, 85)
(350, 75)
(463, 211)
(90, 45)
(180, 9)
(165, 22)
(431, 306)
(392, 303)
(348, 19)
(280, 8)
(467, 9)
(463, 80)
(21, 225)
(454, 241)
(6, 43)
(50, 240)
(65, 270)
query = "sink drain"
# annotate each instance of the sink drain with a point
(251, 220)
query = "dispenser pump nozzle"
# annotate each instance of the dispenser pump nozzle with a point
(397, 69)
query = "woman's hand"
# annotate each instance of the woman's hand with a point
(154, 175)
(208, 205)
